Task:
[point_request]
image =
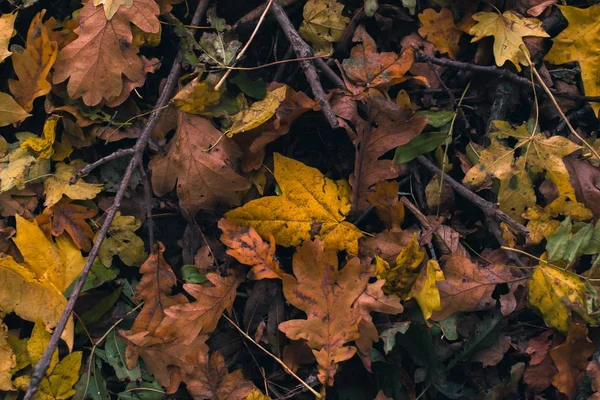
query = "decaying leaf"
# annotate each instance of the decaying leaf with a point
(7, 22)
(10, 111)
(8, 361)
(258, 113)
(400, 278)
(439, 29)
(385, 200)
(41, 147)
(58, 185)
(326, 295)
(323, 24)
(508, 30)
(123, 242)
(309, 204)
(71, 218)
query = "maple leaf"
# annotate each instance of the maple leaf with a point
(309, 204)
(7, 22)
(32, 66)
(508, 30)
(10, 111)
(123, 241)
(326, 295)
(385, 200)
(71, 218)
(203, 178)
(58, 185)
(97, 60)
(323, 25)
(439, 29)
(578, 43)
(246, 246)
(468, 287)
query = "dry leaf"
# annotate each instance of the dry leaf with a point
(439, 29)
(42, 146)
(71, 217)
(309, 204)
(258, 113)
(123, 241)
(112, 6)
(400, 278)
(8, 361)
(385, 200)
(58, 185)
(10, 111)
(494, 354)
(323, 25)
(7, 22)
(425, 289)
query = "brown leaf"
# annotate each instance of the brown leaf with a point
(203, 178)
(585, 179)
(326, 295)
(468, 287)
(96, 61)
(541, 368)
(385, 200)
(386, 245)
(593, 371)
(246, 246)
(297, 353)
(71, 217)
(571, 359)
(33, 64)
(494, 354)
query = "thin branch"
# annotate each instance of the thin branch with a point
(40, 368)
(257, 12)
(488, 208)
(90, 167)
(303, 50)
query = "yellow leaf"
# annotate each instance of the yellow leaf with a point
(556, 293)
(195, 96)
(57, 185)
(579, 42)
(31, 298)
(43, 145)
(7, 23)
(36, 345)
(425, 289)
(14, 168)
(540, 224)
(439, 29)
(323, 24)
(112, 6)
(122, 241)
(258, 113)
(10, 111)
(8, 361)
(59, 384)
(32, 66)
(508, 31)
(401, 278)
(310, 205)
(256, 394)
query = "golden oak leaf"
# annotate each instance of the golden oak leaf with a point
(123, 242)
(42, 146)
(508, 30)
(400, 278)
(203, 178)
(368, 68)
(112, 6)
(10, 111)
(258, 113)
(58, 185)
(439, 29)
(468, 287)
(246, 246)
(71, 218)
(97, 62)
(425, 289)
(214, 297)
(323, 24)
(385, 200)
(32, 66)
(7, 23)
(578, 42)
(326, 295)
(571, 359)
(557, 293)
(8, 360)
(309, 204)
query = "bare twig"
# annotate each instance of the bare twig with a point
(487, 207)
(40, 368)
(90, 167)
(257, 12)
(303, 50)
(148, 204)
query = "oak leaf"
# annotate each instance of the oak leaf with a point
(99, 59)
(10, 111)
(71, 218)
(508, 30)
(58, 185)
(7, 22)
(578, 43)
(309, 204)
(112, 6)
(246, 246)
(326, 295)
(439, 29)
(32, 66)
(323, 24)
(203, 178)
(123, 242)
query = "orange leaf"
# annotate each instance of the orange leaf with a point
(246, 246)
(385, 200)
(326, 296)
(71, 217)
(439, 29)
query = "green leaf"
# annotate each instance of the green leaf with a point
(190, 274)
(388, 336)
(424, 143)
(436, 118)
(134, 391)
(98, 275)
(98, 310)
(115, 353)
(256, 89)
(577, 243)
(557, 244)
(96, 385)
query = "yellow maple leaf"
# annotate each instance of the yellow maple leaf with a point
(508, 30)
(425, 289)
(32, 66)
(309, 205)
(8, 360)
(7, 23)
(43, 145)
(10, 111)
(579, 42)
(439, 29)
(258, 113)
(58, 185)
(323, 24)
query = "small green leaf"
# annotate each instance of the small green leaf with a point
(424, 143)
(98, 275)
(557, 244)
(115, 353)
(579, 241)
(436, 118)
(190, 274)
(256, 89)
(98, 310)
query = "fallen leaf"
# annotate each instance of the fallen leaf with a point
(203, 178)
(112, 6)
(256, 394)
(258, 113)
(71, 217)
(508, 30)
(196, 96)
(102, 54)
(400, 278)
(578, 43)
(494, 354)
(326, 295)
(439, 29)
(17, 168)
(309, 204)
(42, 146)
(10, 111)
(123, 242)
(585, 179)
(58, 185)
(8, 360)
(323, 24)
(246, 246)
(385, 200)
(32, 66)
(425, 289)
(7, 22)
